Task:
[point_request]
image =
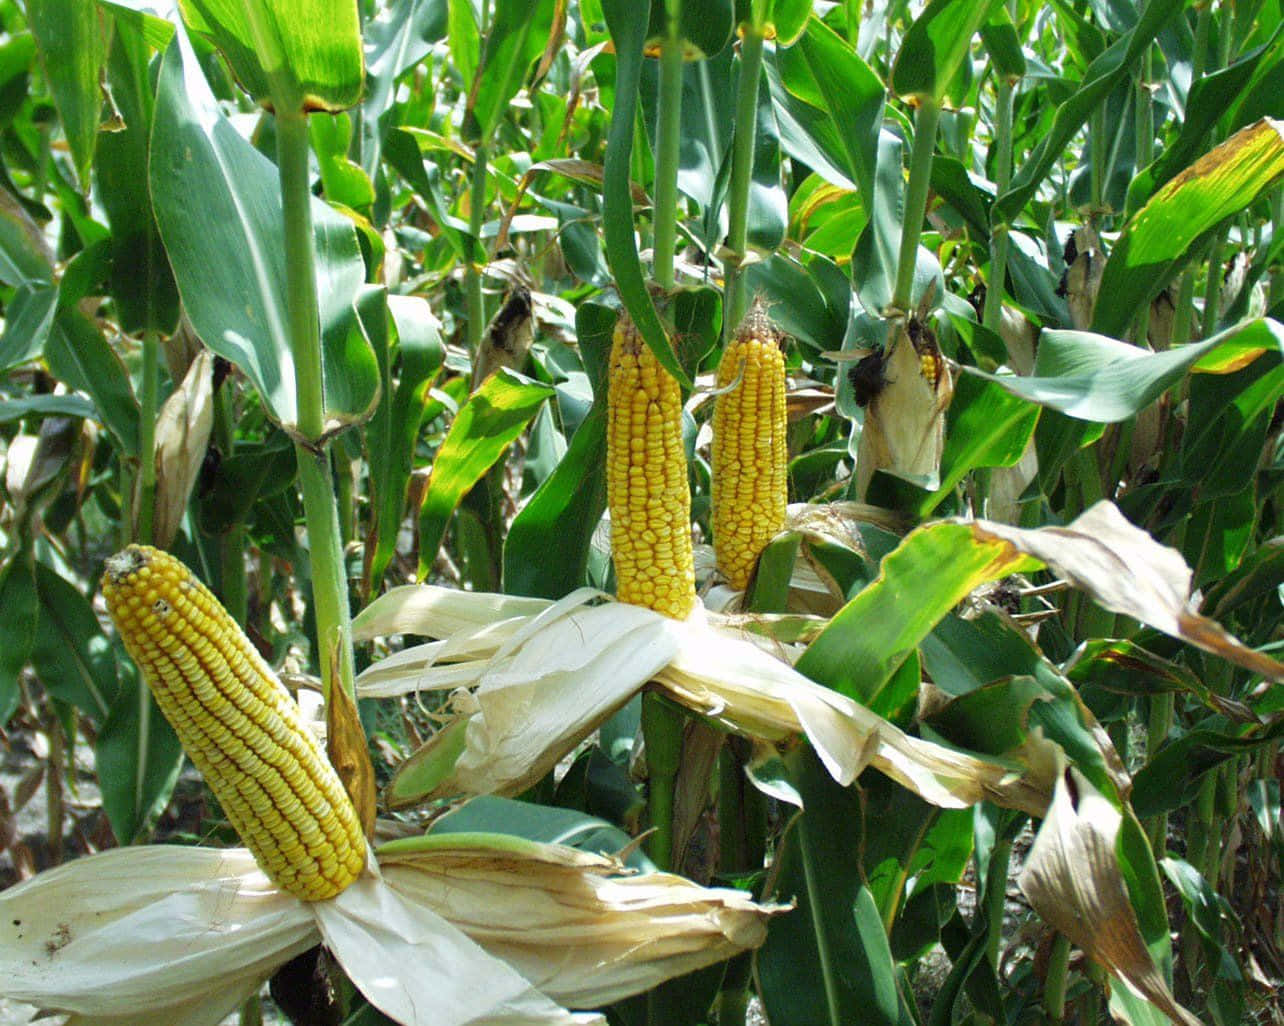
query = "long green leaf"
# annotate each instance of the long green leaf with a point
(138, 757)
(302, 53)
(70, 653)
(484, 427)
(21, 607)
(1103, 74)
(80, 355)
(227, 251)
(627, 22)
(393, 430)
(936, 46)
(1092, 377)
(1220, 184)
(141, 281)
(73, 37)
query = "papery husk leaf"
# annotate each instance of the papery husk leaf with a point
(571, 670)
(420, 970)
(736, 683)
(1072, 879)
(537, 702)
(1126, 571)
(406, 610)
(182, 435)
(156, 933)
(904, 432)
(577, 925)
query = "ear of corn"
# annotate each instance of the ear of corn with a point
(750, 450)
(238, 723)
(646, 480)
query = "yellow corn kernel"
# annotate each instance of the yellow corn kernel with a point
(750, 450)
(238, 724)
(646, 480)
(929, 368)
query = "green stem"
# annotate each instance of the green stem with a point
(329, 577)
(996, 893)
(751, 46)
(1158, 724)
(233, 589)
(993, 311)
(1145, 150)
(667, 143)
(1199, 53)
(1097, 144)
(473, 272)
(1054, 987)
(920, 176)
(1183, 316)
(1213, 286)
(662, 735)
(149, 401)
(816, 900)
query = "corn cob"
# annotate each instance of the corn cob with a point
(646, 480)
(238, 723)
(750, 451)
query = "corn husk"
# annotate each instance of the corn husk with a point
(467, 930)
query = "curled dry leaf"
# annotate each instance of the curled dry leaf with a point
(182, 436)
(904, 431)
(542, 685)
(1072, 880)
(1125, 570)
(616, 933)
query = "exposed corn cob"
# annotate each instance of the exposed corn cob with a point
(750, 451)
(238, 723)
(646, 480)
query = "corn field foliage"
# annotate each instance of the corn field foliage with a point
(318, 295)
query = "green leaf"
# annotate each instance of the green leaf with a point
(485, 426)
(828, 961)
(344, 182)
(1092, 377)
(400, 36)
(543, 823)
(1004, 45)
(141, 281)
(1172, 777)
(824, 72)
(704, 25)
(228, 251)
(28, 318)
(936, 47)
(393, 430)
(21, 608)
(516, 38)
(289, 54)
(1230, 415)
(70, 653)
(1105, 72)
(80, 355)
(627, 22)
(253, 471)
(1154, 242)
(46, 406)
(986, 427)
(73, 37)
(24, 255)
(138, 757)
(868, 639)
(788, 18)
(1206, 103)
(547, 550)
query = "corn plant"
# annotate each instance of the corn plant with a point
(774, 508)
